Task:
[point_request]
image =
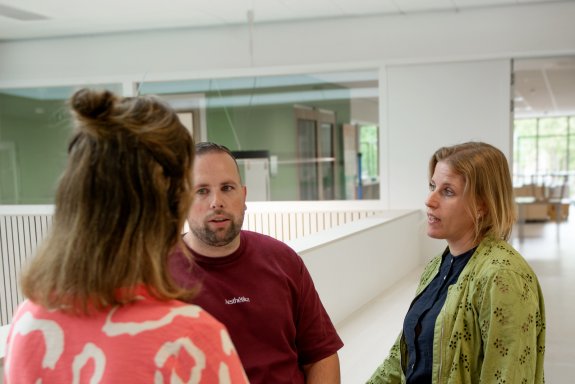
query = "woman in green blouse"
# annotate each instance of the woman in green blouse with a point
(478, 315)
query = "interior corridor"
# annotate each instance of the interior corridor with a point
(548, 247)
(550, 250)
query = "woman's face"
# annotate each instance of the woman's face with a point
(447, 216)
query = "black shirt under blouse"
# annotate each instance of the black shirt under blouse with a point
(419, 323)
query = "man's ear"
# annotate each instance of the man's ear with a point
(245, 191)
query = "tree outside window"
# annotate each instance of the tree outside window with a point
(544, 153)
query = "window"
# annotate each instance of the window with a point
(544, 154)
(299, 119)
(369, 149)
(251, 113)
(316, 160)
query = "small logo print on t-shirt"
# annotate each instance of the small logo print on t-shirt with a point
(237, 300)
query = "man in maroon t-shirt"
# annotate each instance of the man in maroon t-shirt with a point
(256, 285)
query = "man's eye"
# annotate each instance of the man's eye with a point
(227, 188)
(431, 187)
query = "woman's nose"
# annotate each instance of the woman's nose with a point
(430, 201)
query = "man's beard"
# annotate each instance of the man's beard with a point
(218, 238)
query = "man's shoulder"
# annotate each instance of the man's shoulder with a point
(262, 239)
(266, 245)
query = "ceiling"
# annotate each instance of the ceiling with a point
(24, 19)
(542, 86)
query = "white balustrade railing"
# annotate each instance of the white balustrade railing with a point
(21, 230)
(23, 227)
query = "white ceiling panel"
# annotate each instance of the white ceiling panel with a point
(76, 17)
(544, 87)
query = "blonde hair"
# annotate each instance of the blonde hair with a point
(120, 206)
(487, 185)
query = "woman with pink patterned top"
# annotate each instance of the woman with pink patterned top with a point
(101, 307)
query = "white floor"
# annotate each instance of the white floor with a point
(548, 247)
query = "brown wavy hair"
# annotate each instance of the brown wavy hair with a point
(487, 184)
(119, 208)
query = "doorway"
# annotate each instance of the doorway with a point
(316, 153)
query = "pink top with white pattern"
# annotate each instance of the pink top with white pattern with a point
(148, 341)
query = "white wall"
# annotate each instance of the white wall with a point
(432, 105)
(517, 31)
(355, 262)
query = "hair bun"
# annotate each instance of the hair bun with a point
(93, 104)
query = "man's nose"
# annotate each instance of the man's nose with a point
(217, 201)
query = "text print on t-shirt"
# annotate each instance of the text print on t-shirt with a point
(237, 300)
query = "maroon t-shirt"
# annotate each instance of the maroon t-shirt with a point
(264, 295)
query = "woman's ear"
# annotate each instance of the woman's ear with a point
(481, 209)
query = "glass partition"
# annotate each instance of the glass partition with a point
(299, 119)
(34, 132)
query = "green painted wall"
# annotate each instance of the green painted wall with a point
(39, 130)
(273, 128)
